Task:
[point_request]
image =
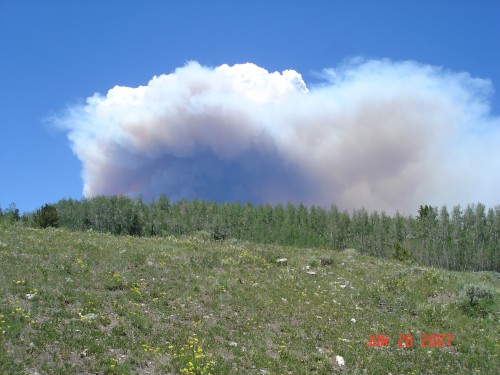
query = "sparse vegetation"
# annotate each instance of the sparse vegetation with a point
(89, 302)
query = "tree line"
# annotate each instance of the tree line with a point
(461, 239)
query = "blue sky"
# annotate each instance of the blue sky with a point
(56, 54)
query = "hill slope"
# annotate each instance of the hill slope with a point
(83, 302)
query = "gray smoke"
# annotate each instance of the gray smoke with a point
(376, 134)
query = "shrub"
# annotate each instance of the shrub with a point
(433, 314)
(326, 260)
(203, 236)
(313, 261)
(476, 299)
(401, 254)
(477, 293)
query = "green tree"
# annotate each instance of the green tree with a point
(457, 239)
(47, 216)
(11, 214)
(338, 228)
(444, 247)
(135, 228)
(161, 215)
(428, 233)
(360, 230)
(493, 238)
(399, 230)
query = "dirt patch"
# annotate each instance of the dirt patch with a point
(443, 298)
(350, 251)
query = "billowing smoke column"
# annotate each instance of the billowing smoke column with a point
(376, 134)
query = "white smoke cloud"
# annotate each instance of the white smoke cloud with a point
(376, 134)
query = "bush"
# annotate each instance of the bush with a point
(401, 254)
(313, 261)
(46, 217)
(477, 293)
(476, 299)
(326, 260)
(203, 236)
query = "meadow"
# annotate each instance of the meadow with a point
(86, 302)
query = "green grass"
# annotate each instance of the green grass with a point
(95, 303)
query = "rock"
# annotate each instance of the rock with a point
(340, 360)
(89, 316)
(282, 261)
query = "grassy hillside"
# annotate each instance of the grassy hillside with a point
(96, 303)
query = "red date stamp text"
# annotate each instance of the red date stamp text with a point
(406, 340)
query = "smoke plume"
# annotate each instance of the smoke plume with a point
(377, 134)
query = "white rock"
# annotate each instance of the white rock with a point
(89, 316)
(353, 320)
(282, 261)
(340, 360)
